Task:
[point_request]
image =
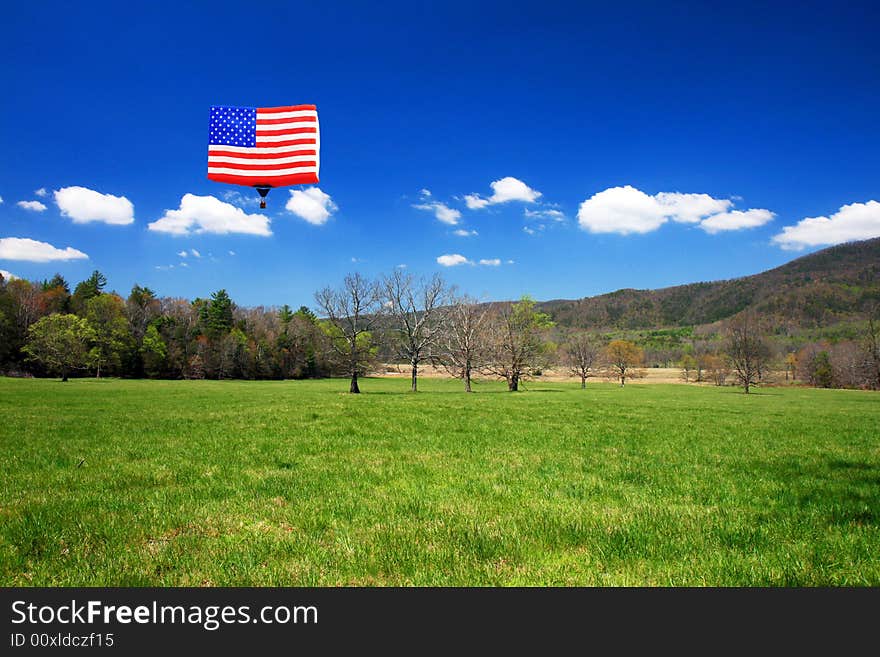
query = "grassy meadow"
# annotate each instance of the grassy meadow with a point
(167, 483)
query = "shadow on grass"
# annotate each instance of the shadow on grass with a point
(530, 390)
(474, 393)
(843, 491)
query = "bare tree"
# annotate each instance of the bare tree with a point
(179, 329)
(872, 346)
(352, 312)
(623, 358)
(699, 350)
(688, 364)
(516, 343)
(418, 309)
(716, 366)
(580, 354)
(850, 366)
(141, 308)
(27, 302)
(702, 364)
(791, 365)
(462, 348)
(748, 352)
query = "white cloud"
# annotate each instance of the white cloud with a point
(425, 193)
(442, 211)
(401, 266)
(7, 276)
(183, 264)
(621, 210)
(504, 190)
(33, 206)
(164, 267)
(510, 262)
(22, 248)
(626, 210)
(555, 215)
(461, 232)
(856, 221)
(528, 231)
(232, 253)
(453, 260)
(237, 198)
(736, 220)
(1, 199)
(475, 201)
(41, 192)
(512, 189)
(195, 254)
(208, 214)
(312, 204)
(182, 254)
(691, 208)
(85, 205)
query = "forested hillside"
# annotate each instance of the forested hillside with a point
(822, 306)
(818, 290)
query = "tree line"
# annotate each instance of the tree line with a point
(45, 329)
(750, 355)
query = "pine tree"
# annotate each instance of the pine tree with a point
(218, 315)
(87, 289)
(285, 314)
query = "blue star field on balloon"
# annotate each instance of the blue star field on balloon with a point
(233, 126)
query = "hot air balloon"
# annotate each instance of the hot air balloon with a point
(264, 147)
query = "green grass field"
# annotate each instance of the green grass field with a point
(137, 483)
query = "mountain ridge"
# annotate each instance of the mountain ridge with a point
(836, 284)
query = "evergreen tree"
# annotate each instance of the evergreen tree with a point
(822, 374)
(218, 314)
(305, 313)
(87, 289)
(285, 314)
(56, 281)
(56, 295)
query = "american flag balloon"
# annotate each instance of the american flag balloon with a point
(264, 147)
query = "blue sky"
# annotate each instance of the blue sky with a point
(617, 117)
